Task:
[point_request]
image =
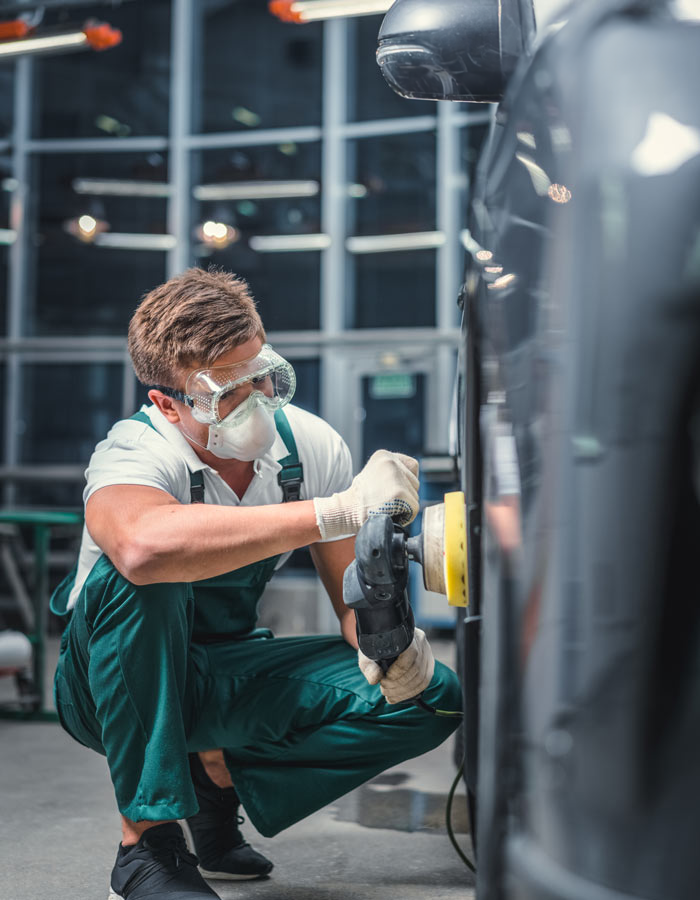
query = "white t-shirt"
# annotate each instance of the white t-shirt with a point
(135, 453)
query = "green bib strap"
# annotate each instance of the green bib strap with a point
(291, 476)
(142, 417)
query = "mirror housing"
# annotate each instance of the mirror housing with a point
(453, 49)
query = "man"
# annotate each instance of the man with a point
(190, 506)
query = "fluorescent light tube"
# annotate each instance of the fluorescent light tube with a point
(384, 243)
(115, 187)
(286, 243)
(127, 241)
(256, 190)
(317, 10)
(96, 36)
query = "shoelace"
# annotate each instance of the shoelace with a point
(172, 849)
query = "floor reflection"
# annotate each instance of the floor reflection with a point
(383, 803)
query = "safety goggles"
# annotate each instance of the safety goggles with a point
(215, 393)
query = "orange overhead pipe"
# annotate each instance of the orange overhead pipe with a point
(283, 10)
(15, 29)
(102, 36)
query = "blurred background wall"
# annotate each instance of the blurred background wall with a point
(215, 133)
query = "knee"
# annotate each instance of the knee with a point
(445, 689)
(111, 596)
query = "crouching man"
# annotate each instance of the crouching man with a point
(190, 506)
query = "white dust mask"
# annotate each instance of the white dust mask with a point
(245, 440)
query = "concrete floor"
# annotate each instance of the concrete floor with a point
(59, 831)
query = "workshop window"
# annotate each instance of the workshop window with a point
(6, 238)
(395, 289)
(66, 409)
(99, 242)
(3, 388)
(308, 393)
(392, 187)
(3, 290)
(7, 84)
(255, 71)
(123, 92)
(472, 139)
(249, 204)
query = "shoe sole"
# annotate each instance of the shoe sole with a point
(227, 876)
(205, 873)
(113, 896)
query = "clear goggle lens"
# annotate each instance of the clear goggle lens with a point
(215, 393)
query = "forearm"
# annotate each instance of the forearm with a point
(175, 543)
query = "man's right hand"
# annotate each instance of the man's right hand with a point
(388, 485)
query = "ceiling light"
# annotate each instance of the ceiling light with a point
(256, 190)
(115, 187)
(86, 227)
(93, 36)
(113, 126)
(384, 243)
(245, 116)
(217, 234)
(288, 243)
(300, 11)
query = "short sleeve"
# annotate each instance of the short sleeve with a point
(122, 461)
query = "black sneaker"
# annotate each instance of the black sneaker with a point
(222, 850)
(159, 867)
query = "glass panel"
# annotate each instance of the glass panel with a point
(120, 92)
(393, 420)
(472, 140)
(395, 289)
(307, 394)
(7, 72)
(374, 99)
(4, 253)
(3, 388)
(47, 495)
(394, 189)
(82, 287)
(6, 185)
(68, 409)
(286, 284)
(257, 72)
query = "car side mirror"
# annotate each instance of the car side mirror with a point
(453, 49)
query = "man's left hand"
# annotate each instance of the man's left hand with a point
(410, 674)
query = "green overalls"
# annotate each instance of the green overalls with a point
(149, 673)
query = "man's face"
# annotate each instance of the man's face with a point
(233, 398)
(181, 415)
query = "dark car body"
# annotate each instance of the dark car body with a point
(579, 459)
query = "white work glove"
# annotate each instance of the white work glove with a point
(388, 484)
(410, 674)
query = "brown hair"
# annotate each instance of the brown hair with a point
(193, 318)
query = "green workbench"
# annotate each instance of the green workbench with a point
(41, 522)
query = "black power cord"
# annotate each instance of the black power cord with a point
(448, 821)
(418, 701)
(447, 713)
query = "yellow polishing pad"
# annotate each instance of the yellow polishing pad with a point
(455, 546)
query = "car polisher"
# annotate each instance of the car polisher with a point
(375, 583)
